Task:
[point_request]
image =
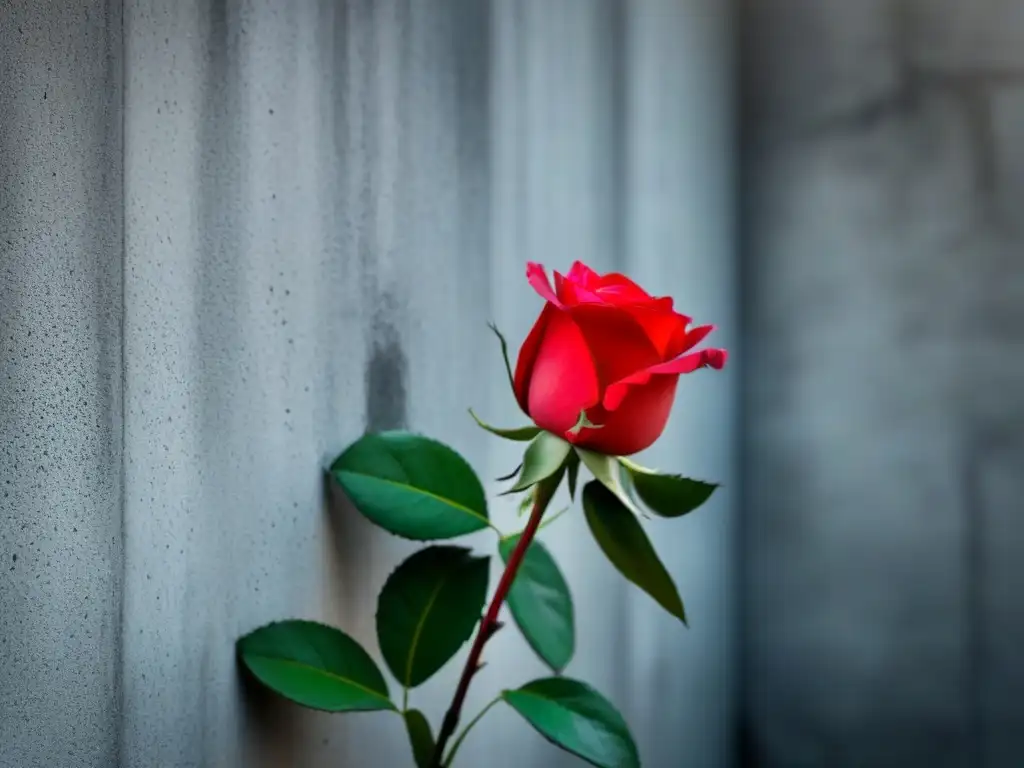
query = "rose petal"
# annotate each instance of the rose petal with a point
(572, 294)
(538, 279)
(618, 344)
(583, 276)
(636, 424)
(687, 339)
(619, 289)
(528, 356)
(559, 285)
(616, 393)
(661, 326)
(563, 379)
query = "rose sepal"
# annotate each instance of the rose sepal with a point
(607, 471)
(666, 495)
(546, 455)
(518, 434)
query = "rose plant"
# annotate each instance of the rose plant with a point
(597, 376)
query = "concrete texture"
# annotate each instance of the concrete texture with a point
(885, 310)
(60, 383)
(323, 205)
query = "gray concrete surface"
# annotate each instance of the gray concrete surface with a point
(323, 205)
(884, 289)
(60, 383)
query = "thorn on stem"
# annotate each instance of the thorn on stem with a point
(493, 629)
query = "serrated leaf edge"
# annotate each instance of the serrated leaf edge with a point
(530, 694)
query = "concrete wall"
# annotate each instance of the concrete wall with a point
(885, 293)
(234, 234)
(60, 384)
(323, 203)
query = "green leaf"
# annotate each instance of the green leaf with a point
(606, 469)
(412, 486)
(316, 666)
(543, 458)
(667, 495)
(504, 356)
(624, 543)
(575, 717)
(420, 737)
(427, 610)
(541, 604)
(573, 467)
(522, 434)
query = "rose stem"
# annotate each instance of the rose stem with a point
(489, 625)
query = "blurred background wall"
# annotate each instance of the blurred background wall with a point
(883, 297)
(235, 234)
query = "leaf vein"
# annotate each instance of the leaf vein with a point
(326, 673)
(420, 623)
(450, 502)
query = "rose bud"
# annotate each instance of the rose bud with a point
(604, 346)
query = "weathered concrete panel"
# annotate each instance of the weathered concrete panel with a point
(60, 383)
(325, 205)
(301, 197)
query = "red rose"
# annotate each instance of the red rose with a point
(605, 346)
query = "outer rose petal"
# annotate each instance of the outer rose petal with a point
(687, 339)
(528, 356)
(618, 392)
(618, 344)
(638, 422)
(563, 379)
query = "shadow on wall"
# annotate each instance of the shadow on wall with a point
(276, 726)
(386, 380)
